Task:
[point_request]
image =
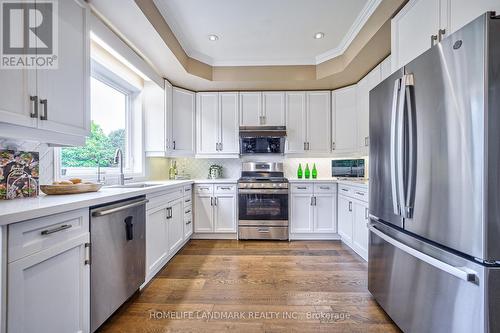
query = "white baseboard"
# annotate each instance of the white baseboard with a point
(310, 236)
(214, 236)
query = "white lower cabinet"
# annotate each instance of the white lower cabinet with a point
(215, 208)
(313, 210)
(353, 218)
(165, 228)
(48, 284)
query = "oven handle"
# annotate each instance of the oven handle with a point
(263, 191)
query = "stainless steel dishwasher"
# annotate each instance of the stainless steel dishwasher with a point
(117, 270)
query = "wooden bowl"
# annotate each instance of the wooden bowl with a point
(69, 189)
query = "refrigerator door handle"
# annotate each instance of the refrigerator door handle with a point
(400, 147)
(394, 176)
(462, 273)
(411, 152)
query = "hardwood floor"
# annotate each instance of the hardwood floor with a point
(250, 286)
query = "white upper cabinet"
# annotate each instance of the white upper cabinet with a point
(228, 123)
(295, 121)
(412, 30)
(217, 124)
(344, 127)
(207, 134)
(318, 122)
(183, 122)
(155, 119)
(262, 108)
(251, 109)
(363, 106)
(169, 117)
(422, 23)
(54, 100)
(385, 68)
(273, 110)
(64, 92)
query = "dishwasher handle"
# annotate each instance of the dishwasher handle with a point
(103, 212)
(129, 227)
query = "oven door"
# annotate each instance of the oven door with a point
(261, 207)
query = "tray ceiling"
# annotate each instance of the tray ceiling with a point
(265, 32)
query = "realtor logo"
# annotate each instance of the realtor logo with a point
(28, 34)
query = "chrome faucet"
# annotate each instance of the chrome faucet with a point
(119, 160)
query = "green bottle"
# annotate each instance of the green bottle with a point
(314, 172)
(299, 172)
(308, 172)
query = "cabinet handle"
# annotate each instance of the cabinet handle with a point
(308, 147)
(211, 201)
(324, 187)
(312, 201)
(360, 193)
(441, 33)
(345, 190)
(350, 206)
(187, 200)
(263, 230)
(366, 213)
(433, 39)
(220, 146)
(216, 201)
(174, 145)
(34, 99)
(187, 211)
(301, 188)
(51, 231)
(87, 260)
(225, 188)
(188, 222)
(45, 110)
(366, 141)
(333, 145)
(305, 146)
(217, 146)
(315, 201)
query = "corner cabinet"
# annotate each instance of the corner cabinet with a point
(308, 122)
(215, 209)
(183, 122)
(353, 217)
(363, 107)
(344, 121)
(313, 210)
(52, 103)
(48, 259)
(217, 124)
(435, 20)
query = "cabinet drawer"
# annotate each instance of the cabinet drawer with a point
(360, 194)
(187, 190)
(32, 236)
(204, 188)
(325, 188)
(225, 188)
(188, 200)
(302, 188)
(162, 198)
(188, 209)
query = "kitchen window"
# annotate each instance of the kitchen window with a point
(116, 123)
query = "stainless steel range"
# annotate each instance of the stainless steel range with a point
(263, 201)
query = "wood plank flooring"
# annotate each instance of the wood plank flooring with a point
(251, 286)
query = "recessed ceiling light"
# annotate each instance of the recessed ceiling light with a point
(319, 35)
(213, 38)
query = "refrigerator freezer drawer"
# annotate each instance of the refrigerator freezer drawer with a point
(426, 289)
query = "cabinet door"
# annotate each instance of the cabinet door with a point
(273, 108)
(295, 121)
(301, 219)
(225, 213)
(325, 213)
(67, 88)
(344, 120)
(188, 227)
(229, 112)
(156, 238)
(203, 213)
(169, 117)
(183, 124)
(16, 88)
(360, 230)
(207, 121)
(461, 12)
(363, 105)
(58, 274)
(251, 109)
(175, 225)
(385, 69)
(153, 97)
(318, 122)
(345, 217)
(412, 29)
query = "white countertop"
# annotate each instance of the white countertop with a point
(350, 182)
(17, 210)
(216, 181)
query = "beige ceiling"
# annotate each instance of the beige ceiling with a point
(152, 38)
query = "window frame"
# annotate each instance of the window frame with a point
(133, 167)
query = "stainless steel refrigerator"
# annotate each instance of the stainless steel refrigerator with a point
(434, 253)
